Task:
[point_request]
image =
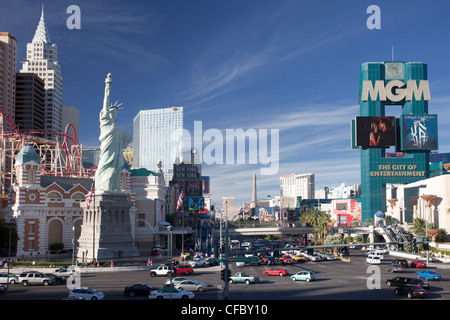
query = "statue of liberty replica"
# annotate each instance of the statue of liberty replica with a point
(107, 176)
(106, 229)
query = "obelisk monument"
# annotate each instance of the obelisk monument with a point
(106, 229)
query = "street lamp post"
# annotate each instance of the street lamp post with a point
(226, 252)
(73, 238)
(151, 227)
(170, 228)
(73, 244)
(9, 259)
(429, 201)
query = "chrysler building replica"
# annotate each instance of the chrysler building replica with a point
(42, 59)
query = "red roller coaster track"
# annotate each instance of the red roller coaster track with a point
(73, 154)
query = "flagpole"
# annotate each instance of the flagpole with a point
(182, 228)
(93, 226)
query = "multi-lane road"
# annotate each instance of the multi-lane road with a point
(336, 280)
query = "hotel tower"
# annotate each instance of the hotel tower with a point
(42, 59)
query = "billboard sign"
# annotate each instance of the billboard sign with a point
(375, 131)
(196, 204)
(185, 172)
(193, 188)
(266, 214)
(206, 184)
(419, 132)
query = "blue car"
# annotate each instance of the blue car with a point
(429, 275)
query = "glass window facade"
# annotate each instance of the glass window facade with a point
(158, 135)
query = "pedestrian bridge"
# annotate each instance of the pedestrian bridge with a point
(249, 231)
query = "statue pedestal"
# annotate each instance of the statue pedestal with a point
(106, 229)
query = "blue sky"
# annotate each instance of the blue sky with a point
(286, 65)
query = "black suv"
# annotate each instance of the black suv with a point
(400, 281)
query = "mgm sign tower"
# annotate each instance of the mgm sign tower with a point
(381, 86)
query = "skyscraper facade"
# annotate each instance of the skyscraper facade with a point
(8, 63)
(158, 136)
(42, 59)
(296, 185)
(30, 102)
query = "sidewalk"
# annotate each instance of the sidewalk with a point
(19, 270)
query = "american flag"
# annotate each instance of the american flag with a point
(180, 200)
(89, 196)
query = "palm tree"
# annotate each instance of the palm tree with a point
(319, 220)
(389, 220)
(312, 217)
(418, 227)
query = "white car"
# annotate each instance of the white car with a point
(191, 285)
(177, 280)
(165, 293)
(197, 263)
(315, 257)
(86, 293)
(376, 254)
(373, 260)
(12, 278)
(329, 257)
(66, 272)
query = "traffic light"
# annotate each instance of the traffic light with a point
(225, 274)
(305, 239)
(344, 250)
(426, 244)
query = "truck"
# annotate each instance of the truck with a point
(242, 261)
(161, 271)
(242, 277)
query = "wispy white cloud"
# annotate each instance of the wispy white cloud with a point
(234, 60)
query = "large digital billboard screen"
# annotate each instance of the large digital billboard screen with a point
(419, 132)
(193, 188)
(196, 204)
(375, 131)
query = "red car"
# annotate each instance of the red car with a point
(286, 259)
(183, 268)
(275, 272)
(418, 264)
